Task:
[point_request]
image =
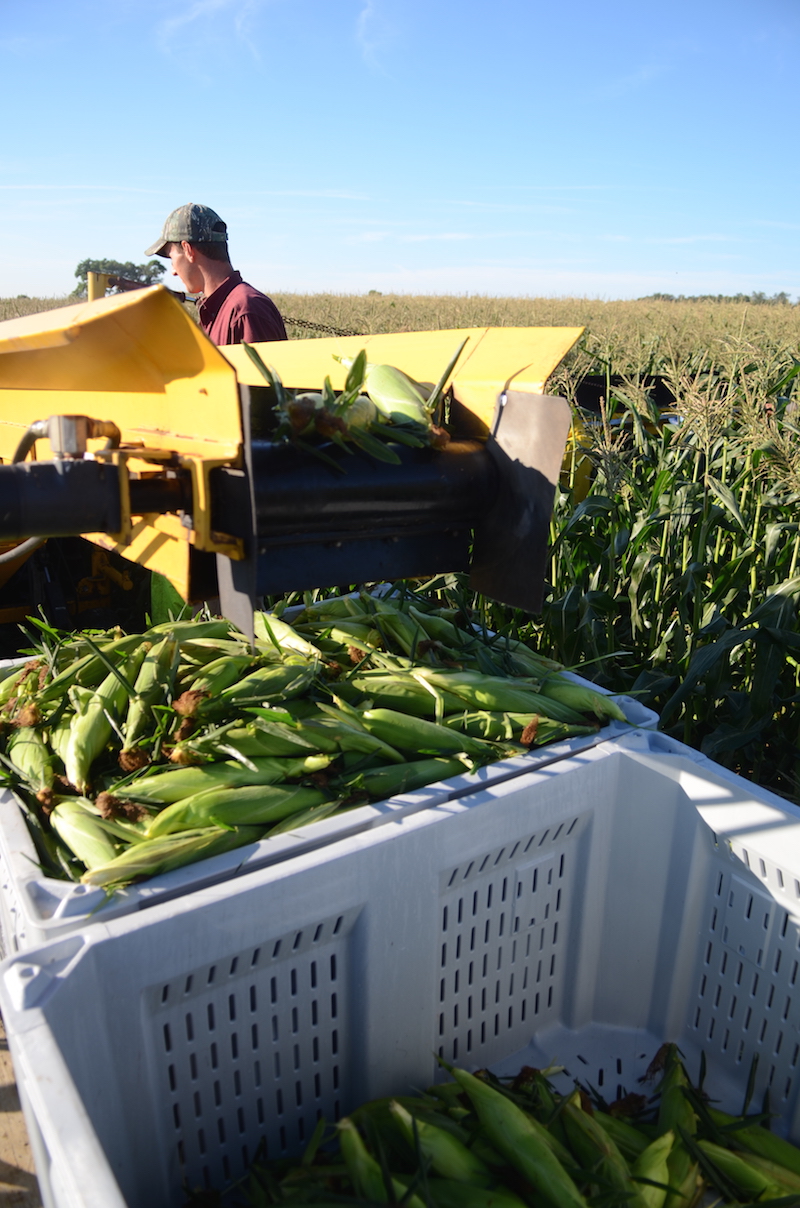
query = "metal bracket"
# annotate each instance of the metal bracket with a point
(526, 443)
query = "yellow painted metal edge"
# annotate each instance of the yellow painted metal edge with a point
(492, 356)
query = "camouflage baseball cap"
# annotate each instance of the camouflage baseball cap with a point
(194, 223)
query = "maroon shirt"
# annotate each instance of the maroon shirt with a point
(237, 313)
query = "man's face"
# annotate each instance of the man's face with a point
(184, 266)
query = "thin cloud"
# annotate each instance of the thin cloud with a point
(200, 13)
(373, 33)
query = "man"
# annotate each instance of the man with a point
(195, 240)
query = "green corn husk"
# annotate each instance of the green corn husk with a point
(305, 817)
(652, 1164)
(497, 694)
(199, 652)
(447, 1193)
(156, 856)
(581, 698)
(29, 753)
(758, 1140)
(345, 636)
(383, 782)
(346, 726)
(247, 805)
(83, 833)
(627, 1138)
(417, 734)
(335, 608)
(399, 690)
(523, 1142)
(176, 784)
(595, 1150)
(58, 735)
(271, 683)
(92, 725)
(271, 629)
(365, 1173)
(191, 630)
(750, 1183)
(401, 627)
(255, 739)
(92, 669)
(676, 1115)
(14, 679)
(221, 673)
(448, 1156)
(150, 688)
(778, 1174)
(505, 727)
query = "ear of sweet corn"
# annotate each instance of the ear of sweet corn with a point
(270, 628)
(346, 727)
(251, 805)
(150, 688)
(366, 1174)
(417, 734)
(82, 833)
(28, 752)
(13, 681)
(96, 713)
(596, 1151)
(448, 1156)
(531, 729)
(271, 683)
(162, 855)
(304, 817)
(497, 694)
(652, 1166)
(383, 782)
(256, 739)
(580, 698)
(751, 1184)
(524, 1143)
(759, 1140)
(449, 1193)
(91, 669)
(176, 784)
(400, 690)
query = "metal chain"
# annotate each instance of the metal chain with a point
(332, 331)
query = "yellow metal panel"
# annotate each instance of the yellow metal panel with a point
(491, 356)
(138, 359)
(156, 543)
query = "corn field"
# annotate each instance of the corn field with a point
(675, 542)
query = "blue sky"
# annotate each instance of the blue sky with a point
(509, 147)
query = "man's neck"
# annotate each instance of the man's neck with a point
(215, 273)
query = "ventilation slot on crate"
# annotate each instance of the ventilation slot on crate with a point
(503, 931)
(253, 1047)
(748, 1005)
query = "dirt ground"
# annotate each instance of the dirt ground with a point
(18, 1186)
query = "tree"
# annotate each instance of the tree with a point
(147, 274)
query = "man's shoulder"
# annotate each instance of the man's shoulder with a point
(246, 302)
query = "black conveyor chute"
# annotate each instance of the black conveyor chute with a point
(478, 506)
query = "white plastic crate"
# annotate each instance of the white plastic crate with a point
(582, 913)
(35, 908)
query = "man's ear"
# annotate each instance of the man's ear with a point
(189, 252)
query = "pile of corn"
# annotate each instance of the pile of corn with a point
(137, 754)
(478, 1142)
(379, 407)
